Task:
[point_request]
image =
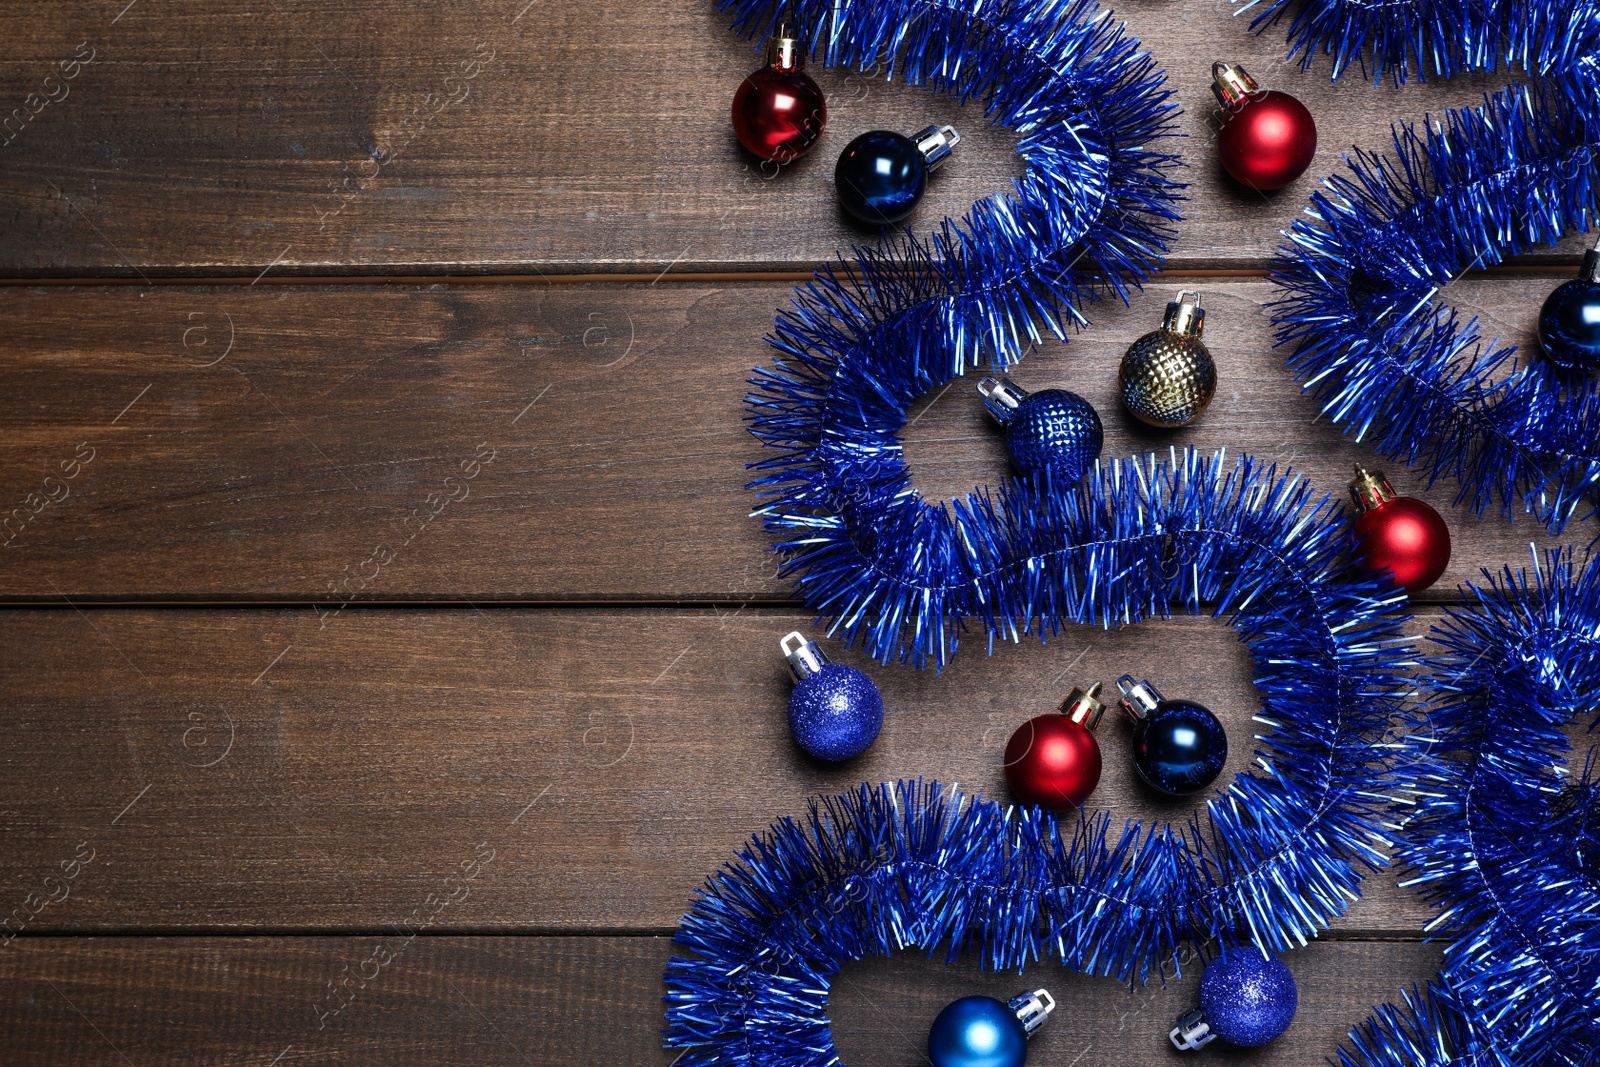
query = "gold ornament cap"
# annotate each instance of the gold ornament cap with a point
(1168, 377)
(1231, 84)
(1184, 315)
(783, 52)
(1370, 490)
(1083, 706)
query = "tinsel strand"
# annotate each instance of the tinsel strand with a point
(1520, 985)
(1359, 278)
(1273, 860)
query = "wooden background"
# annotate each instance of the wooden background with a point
(264, 353)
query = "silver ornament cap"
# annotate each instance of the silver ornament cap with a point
(1139, 699)
(803, 655)
(936, 143)
(1192, 1032)
(1002, 397)
(1032, 1009)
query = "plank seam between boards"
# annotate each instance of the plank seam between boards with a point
(619, 278)
(130, 933)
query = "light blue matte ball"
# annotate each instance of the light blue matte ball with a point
(977, 1032)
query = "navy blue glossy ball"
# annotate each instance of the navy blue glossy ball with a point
(1247, 998)
(1056, 431)
(1569, 326)
(880, 177)
(1180, 748)
(977, 1032)
(836, 713)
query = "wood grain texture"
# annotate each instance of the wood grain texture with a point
(566, 1002)
(232, 138)
(253, 769)
(312, 444)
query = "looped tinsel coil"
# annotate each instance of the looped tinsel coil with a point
(1273, 860)
(1360, 278)
(1436, 38)
(859, 344)
(1503, 839)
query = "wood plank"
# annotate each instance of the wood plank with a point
(557, 1002)
(518, 140)
(301, 444)
(251, 769)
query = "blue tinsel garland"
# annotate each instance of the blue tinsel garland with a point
(1436, 38)
(1359, 281)
(1502, 840)
(859, 345)
(1274, 860)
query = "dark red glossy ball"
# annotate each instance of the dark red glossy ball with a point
(1053, 762)
(1267, 141)
(1406, 536)
(779, 114)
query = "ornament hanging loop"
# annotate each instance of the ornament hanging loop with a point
(1192, 1032)
(783, 51)
(802, 654)
(1002, 397)
(1139, 699)
(936, 143)
(1185, 315)
(1083, 706)
(1231, 84)
(1590, 270)
(1370, 490)
(1032, 1009)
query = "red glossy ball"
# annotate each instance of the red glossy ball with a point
(1268, 140)
(1406, 536)
(1053, 762)
(779, 114)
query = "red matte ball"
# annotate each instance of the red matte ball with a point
(1406, 536)
(1267, 141)
(779, 114)
(1052, 762)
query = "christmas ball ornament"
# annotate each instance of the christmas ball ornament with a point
(1267, 138)
(835, 712)
(779, 112)
(1397, 533)
(881, 175)
(1053, 761)
(1246, 998)
(1569, 321)
(1167, 376)
(1050, 431)
(1179, 747)
(982, 1032)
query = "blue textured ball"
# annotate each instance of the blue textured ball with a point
(836, 713)
(1180, 748)
(1247, 998)
(1569, 326)
(1056, 431)
(977, 1032)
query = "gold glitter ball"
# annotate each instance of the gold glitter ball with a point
(1167, 376)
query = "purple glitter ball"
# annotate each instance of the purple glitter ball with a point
(836, 713)
(1246, 997)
